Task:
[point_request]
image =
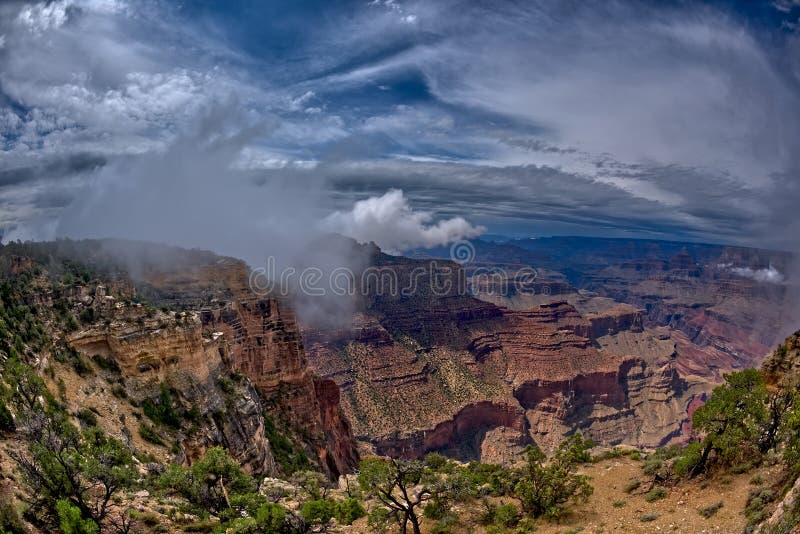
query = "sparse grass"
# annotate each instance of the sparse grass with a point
(738, 469)
(710, 510)
(618, 504)
(656, 494)
(757, 480)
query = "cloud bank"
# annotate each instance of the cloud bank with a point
(391, 223)
(614, 118)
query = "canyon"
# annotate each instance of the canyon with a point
(620, 341)
(619, 347)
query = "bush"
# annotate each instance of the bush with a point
(6, 419)
(80, 365)
(10, 520)
(349, 510)
(71, 521)
(690, 460)
(757, 501)
(149, 434)
(632, 486)
(289, 456)
(435, 510)
(161, 411)
(543, 487)
(646, 518)
(319, 511)
(618, 504)
(656, 494)
(87, 417)
(119, 391)
(710, 510)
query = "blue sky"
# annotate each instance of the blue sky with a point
(406, 123)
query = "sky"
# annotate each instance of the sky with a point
(224, 124)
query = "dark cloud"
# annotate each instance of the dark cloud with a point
(53, 170)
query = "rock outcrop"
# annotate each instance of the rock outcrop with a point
(231, 356)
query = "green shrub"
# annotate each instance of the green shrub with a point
(544, 485)
(6, 419)
(162, 411)
(87, 417)
(119, 391)
(690, 460)
(10, 520)
(741, 468)
(618, 504)
(290, 456)
(80, 365)
(319, 511)
(632, 486)
(435, 509)
(646, 518)
(757, 480)
(149, 434)
(757, 501)
(71, 522)
(710, 510)
(349, 510)
(655, 494)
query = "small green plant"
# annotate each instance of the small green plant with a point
(740, 468)
(655, 494)
(757, 480)
(149, 434)
(757, 501)
(161, 410)
(710, 510)
(618, 504)
(118, 390)
(647, 518)
(632, 486)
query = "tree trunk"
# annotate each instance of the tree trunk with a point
(700, 467)
(414, 522)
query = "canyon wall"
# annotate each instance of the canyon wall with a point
(442, 370)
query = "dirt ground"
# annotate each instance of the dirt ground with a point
(611, 509)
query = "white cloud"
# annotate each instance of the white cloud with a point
(392, 224)
(44, 16)
(769, 274)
